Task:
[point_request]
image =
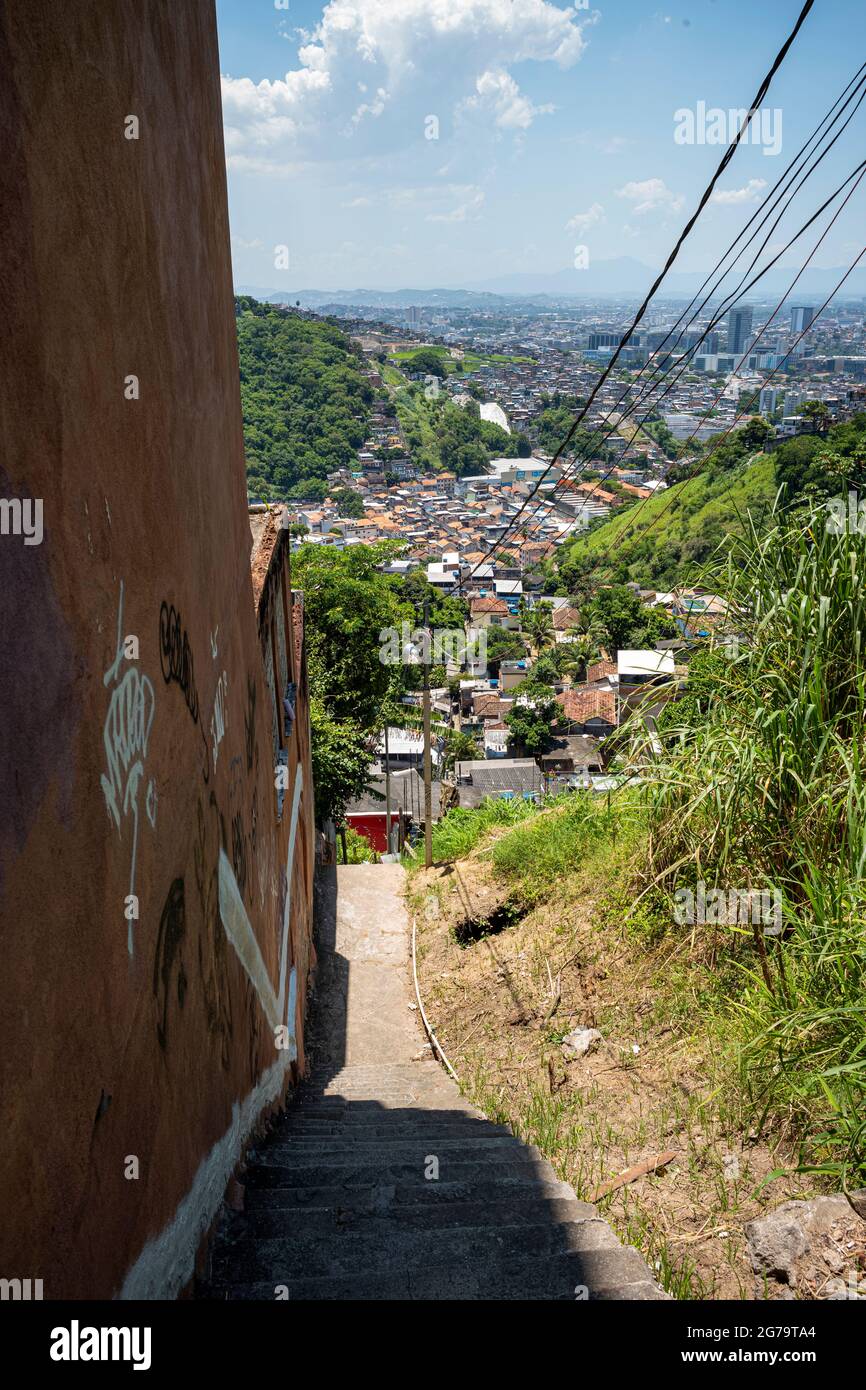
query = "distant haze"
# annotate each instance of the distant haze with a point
(610, 278)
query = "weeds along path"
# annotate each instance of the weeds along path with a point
(523, 937)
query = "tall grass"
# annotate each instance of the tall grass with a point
(539, 852)
(763, 786)
(457, 834)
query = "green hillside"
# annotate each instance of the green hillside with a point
(304, 394)
(674, 533)
(443, 436)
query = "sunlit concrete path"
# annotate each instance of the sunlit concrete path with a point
(381, 1181)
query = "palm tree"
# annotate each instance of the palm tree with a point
(539, 626)
(584, 647)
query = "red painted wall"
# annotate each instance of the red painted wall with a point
(139, 729)
(372, 825)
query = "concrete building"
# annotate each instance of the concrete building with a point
(739, 330)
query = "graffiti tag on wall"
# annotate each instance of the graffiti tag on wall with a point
(125, 738)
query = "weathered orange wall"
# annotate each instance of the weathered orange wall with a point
(154, 1038)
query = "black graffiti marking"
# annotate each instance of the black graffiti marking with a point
(250, 723)
(239, 851)
(212, 953)
(175, 655)
(176, 661)
(169, 945)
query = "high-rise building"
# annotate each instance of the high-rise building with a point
(739, 330)
(802, 318)
(604, 340)
(413, 313)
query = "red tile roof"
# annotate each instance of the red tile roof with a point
(581, 704)
(487, 605)
(486, 705)
(600, 670)
(565, 617)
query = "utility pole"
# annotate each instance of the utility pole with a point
(387, 790)
(428, 770)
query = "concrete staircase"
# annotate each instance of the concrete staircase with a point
(381, 1182)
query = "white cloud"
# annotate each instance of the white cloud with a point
(499, 94)
(440, 202)
(582, 221)
(372, 70)
(466, 211)
(650, 195)
(747, 194)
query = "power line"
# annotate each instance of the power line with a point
(846, 96)
(683, 366)
(694, 473)
(705, 197)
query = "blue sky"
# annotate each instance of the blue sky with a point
(554, 127)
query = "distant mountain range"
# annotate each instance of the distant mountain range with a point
(622, 276)
(378, 299)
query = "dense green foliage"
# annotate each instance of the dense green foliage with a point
(763, 786)
(426, 360)
(619, 619)
(347, 602)
(530, 724)
(349, 502)
(823, 467)
(443, 437)
(553, 422)
(504, 645)
(304, 395)
(341, 755)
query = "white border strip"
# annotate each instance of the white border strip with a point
(431, 1035)
(167, 1263)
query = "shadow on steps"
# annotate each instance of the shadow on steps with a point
(381, 1182)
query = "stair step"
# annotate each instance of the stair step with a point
(390, 1196)
(291, 1148)
(340, 1173)
(467, 1249)
(364, 1131)
(614, 1274)
(270, 1222)
(424, 1067)
(399, 1160)
(384, 1105)
(378, 1094)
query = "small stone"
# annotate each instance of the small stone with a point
(834, 1290)
(731, 1167)
(581, 1042)
(858, 1202)
(776, 1243)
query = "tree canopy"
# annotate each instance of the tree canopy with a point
(304, 395)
